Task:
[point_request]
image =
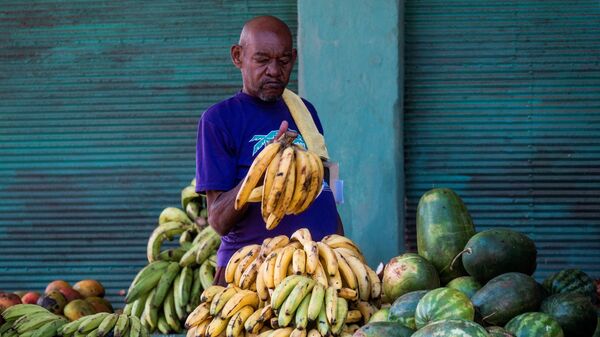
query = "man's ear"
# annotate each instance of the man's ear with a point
(294, 55)
(236, 55)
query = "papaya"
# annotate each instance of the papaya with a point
(444, 226)
(506, 296)
(384, 329)
(498, 251)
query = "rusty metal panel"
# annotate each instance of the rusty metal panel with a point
(99, 103)
(503, 106)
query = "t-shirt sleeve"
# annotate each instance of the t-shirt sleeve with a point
(315, 117)
(215, 158)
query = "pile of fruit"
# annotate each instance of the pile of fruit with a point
(29, 320)
(463, 283)
(290, 286)
(166, 290)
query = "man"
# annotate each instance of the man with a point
(231, 133)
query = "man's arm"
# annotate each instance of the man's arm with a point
(222, 216)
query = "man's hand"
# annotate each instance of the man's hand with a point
(283, 129)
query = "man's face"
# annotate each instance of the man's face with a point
(266, 61)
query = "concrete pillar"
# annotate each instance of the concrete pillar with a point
(350, 68)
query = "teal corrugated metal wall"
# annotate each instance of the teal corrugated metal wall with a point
(99, 102)
(502, 105)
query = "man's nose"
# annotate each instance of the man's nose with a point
(273, 68)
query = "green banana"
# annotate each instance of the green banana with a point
(208, 247)
(10, 333)
(107, 324)
(189, 256)
(161, 233)
(71, 327)
(12, 313)
(135, 327)
(33, 321)
(143, 286)
(138, 305)
(291, 303)
(162, 325)
(206, 273)
(302, 313)
(187, 195)
(173, 214)
(185, 284)
(172, 254)
(179, 306)
(213, 260)
(92, 322)
(150, 310)
(164, 285)
(322, 324)
(122, 326)
(195, 290)
(151, 268)
(192, 209)
(127, 309)
(204, 234)
(170, 313)
(317, 298)
(49, 329)
(5, 327)
(340, 317)
(93, 333)
(283, 289)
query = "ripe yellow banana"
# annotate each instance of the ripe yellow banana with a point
(366, 309)
(269, 275)
(248, 277)
(256, 194)
(245, 263)
(299, 262)
(335, 281)
(235, 326)
(221, 299)
(255, 172)
(300, 185)
(316, 182)
(331, 300)
(235, 260)
(353, 316)
(375, 283)
(301, 235)
(284, 258)
(337, 241)
(270, 245)
(312, 255)
(261, 287)
(362, 277)
(320, 275)
(348, 294)
(276, 191)
(202, 327)
(348, 277)
(238, 301)
(313, 333)
(282, 332)
(270, 174)
(198, 315)
(298, 333)
(209, 293)
(328, 255)
(216, 326)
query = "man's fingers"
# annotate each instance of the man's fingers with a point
(282, 129)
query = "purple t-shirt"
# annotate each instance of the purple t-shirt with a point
(230, 135)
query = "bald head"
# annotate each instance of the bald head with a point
(265, 57)
(264, 24)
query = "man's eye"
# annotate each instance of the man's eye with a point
(262, 61)
(284, 60)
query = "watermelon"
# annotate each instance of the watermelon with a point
(571, 281)
(384, 329)
(534, 324)
(380, 315)
(496, 331)
(403, 308)
(505, 297)
(573, 311)
(466, 284)
(406, 273)
(452, 328)
(498, 251)
(443, 303)
(443, 228)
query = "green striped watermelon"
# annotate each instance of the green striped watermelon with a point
(403, 308)
(408, 272)
(466, 284)
(573, 311)
(380, 315)
(496, 331)
(534, 324)
(443, 303)
(571, 281)
(383, 329)
(506, 296)
(452, 328)
(443, 228)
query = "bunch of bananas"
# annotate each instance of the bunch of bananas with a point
(30, 320)
(168, 288)
(292, 180)
(300, 306)
(335, 262)
(105, 324)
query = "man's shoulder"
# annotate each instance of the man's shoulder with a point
(222, 109)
